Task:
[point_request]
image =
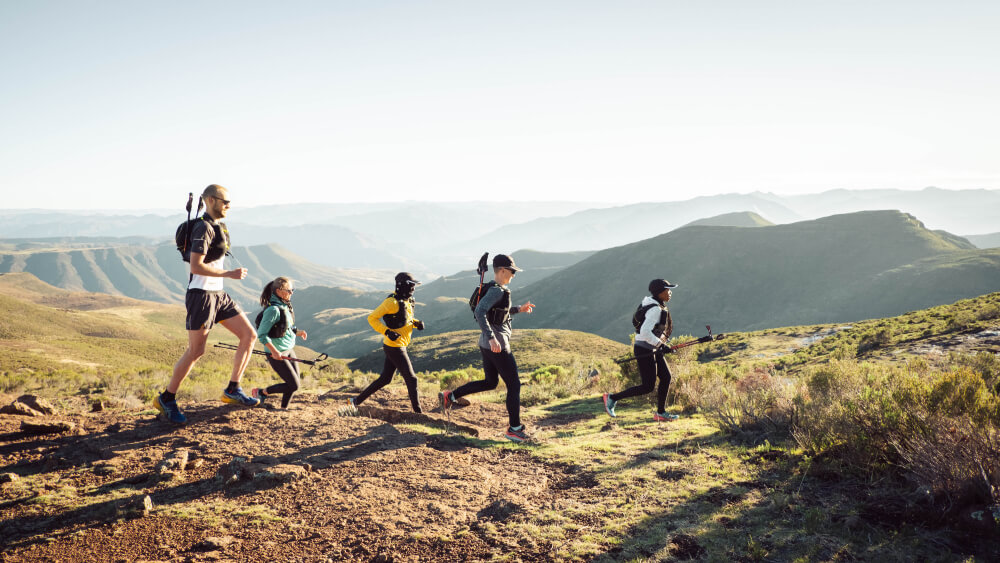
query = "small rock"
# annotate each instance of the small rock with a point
(195, 464)
(136, 479)
(19, 409)
(105, 469)
(213, 543)
(8, 477)
(176, 461)
(282, 473)
(137, 507)
(116, 427)
(97, 406)
(36, 403)
(50, 428)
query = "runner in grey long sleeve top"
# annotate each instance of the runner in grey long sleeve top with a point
(493, 315)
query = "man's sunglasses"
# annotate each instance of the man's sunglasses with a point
(224, 201)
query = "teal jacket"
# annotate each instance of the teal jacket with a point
(287, 341)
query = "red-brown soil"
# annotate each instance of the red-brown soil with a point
(266, 484)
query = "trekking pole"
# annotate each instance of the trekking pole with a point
(675, 347)
(481, 270)
(312, 362)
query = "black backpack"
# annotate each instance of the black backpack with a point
(397, 319)
(665, 324)
(220, 242)
(498, 314)
(279, 328)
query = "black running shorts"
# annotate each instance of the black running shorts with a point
(205, 308)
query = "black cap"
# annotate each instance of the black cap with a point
(504, 261)
(407, 278)
(656, 287)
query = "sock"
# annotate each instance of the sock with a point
(167, 396)
(517, 428)
(231, 388)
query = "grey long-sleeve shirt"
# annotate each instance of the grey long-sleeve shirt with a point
(489, 330)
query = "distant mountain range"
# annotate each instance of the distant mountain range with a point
(991, 240)
(435, 238)
(836, 269)
(157, 273)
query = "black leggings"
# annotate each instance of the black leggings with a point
(396, 359)
(502, 365)
(288, 371)
(651, 366)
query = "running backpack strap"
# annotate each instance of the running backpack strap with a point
(397, 319)
(639, 316)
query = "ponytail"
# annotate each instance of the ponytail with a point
(278, 282)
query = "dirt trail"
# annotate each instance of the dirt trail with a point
(267, 484)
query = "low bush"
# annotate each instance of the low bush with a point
(755, 404)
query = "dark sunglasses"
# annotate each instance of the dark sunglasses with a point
(224, 201)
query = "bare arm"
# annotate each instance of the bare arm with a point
(200, 268)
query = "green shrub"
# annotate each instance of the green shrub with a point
(754, 405)
(963, 392)
(459, 377)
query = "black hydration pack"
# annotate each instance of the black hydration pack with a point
(499, 312)
(279, 328)
(397, 319)
(220, 242)
(665, 326)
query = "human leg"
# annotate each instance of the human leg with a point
(489, 382)
(240, 326)
(506, 365)
(388, 369)
(195, 350)
(401, 360)
(663, 373)
(647, 371)
(288, 371)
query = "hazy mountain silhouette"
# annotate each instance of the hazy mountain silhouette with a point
(157, 273)
(836, 269)
(991, 240)
(737, 219)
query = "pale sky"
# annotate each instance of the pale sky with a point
(132, 104)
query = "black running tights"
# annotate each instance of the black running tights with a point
(652, 366)
(396, 359)
(288, 371)
(496, 366)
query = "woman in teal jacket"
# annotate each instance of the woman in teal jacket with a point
(277, 332)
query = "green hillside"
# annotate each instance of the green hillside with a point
(837, 269)
(533, 348)
(736, 219)
(65, 341)
(156, 273)
(337, 317)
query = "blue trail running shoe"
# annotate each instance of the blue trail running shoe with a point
(609, 404)
(239, 397)
(664, 417)
(169, 410)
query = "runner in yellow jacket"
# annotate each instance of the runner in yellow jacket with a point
(394, 319)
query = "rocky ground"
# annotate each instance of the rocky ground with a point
(267, 484)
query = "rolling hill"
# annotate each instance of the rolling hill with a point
(533, 348)
(156, 273)
(991, 240)
(837, 269)
(605, 228)
(336, 318)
